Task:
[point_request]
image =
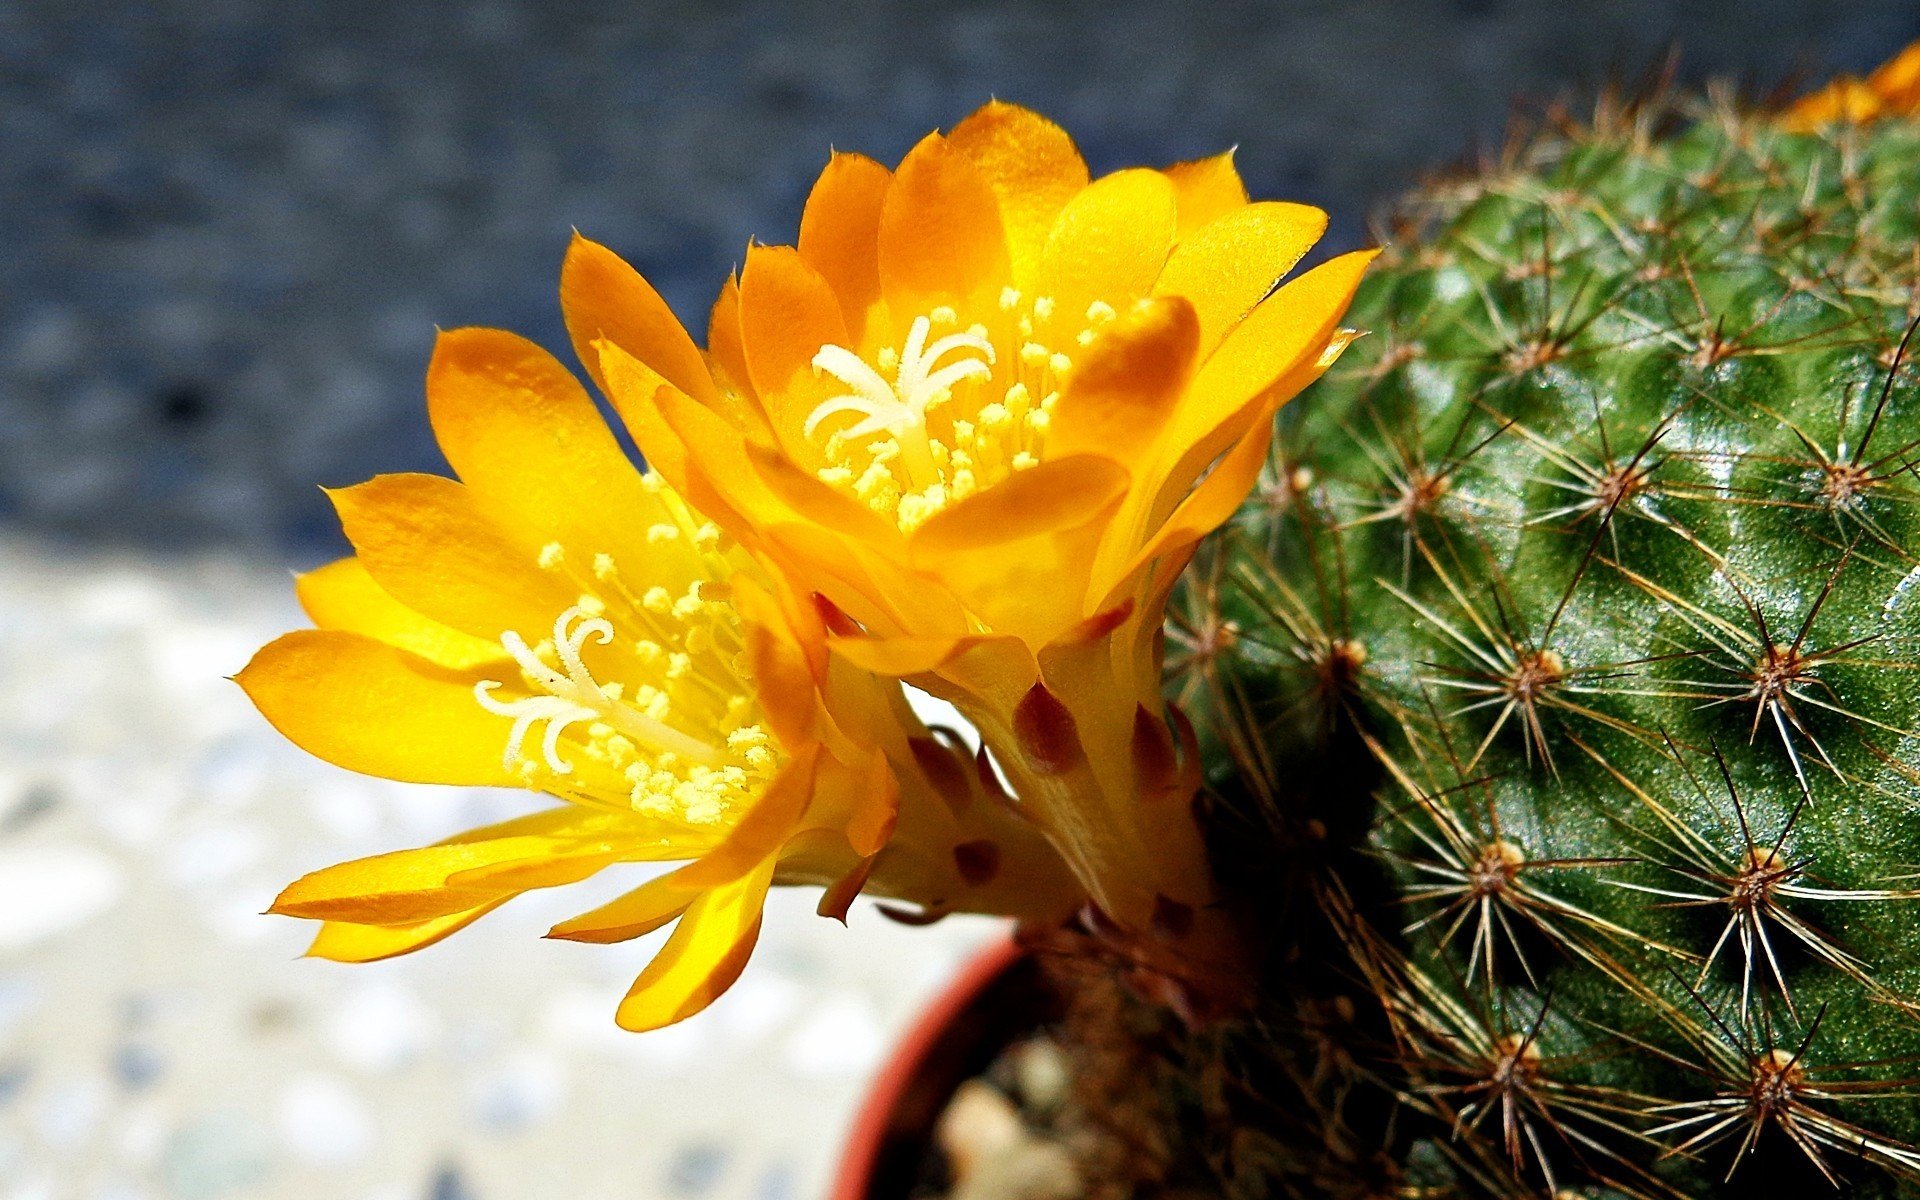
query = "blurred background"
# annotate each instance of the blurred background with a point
(230, 228)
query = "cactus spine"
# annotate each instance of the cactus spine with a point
(1562, 687)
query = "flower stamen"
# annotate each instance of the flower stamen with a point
(575, 696)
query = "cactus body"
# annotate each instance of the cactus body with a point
(1562, 686)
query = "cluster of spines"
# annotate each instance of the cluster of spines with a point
(1483, 608)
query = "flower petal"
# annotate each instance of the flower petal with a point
(940, 233)
(428, 545)
(840, 233)
(1125, 386)
(445, 879)
(343, 596)
(1109, 243)
(726, 350)
(1279, 341)
(784, 677)
(346, 942)
(532, 447)
(706, 953)
(787, 312)
(368, 707)
(631, 914)
(1033, 168)
(1207, 189)
(1229, 265)
(1056, 495)
(603, 297)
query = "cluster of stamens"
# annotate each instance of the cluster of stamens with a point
(950, 411)
(677, 724)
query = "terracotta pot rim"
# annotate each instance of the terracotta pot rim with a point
(902, 1070)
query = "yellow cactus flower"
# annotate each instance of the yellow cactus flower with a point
(1891, 90)
(987, 407)
(560, 621)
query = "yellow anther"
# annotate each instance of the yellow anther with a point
(552, 555)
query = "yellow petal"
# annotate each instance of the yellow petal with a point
(1127, 383)
(533, 449)
(603, 297)
(1288, 331)
(1020, 554)
(706, 953)
(1206, 508)
(1228, 266)
(428, 545)
(1109, 243)
(342, 596)
(406, 886)
(787, 312)
(368, 707)
(900, 657)
(1033, 168)
(726, 350)
(783, 675)
(1206, 190)
(940, 232)
(840, 233)
(344, 941)
(1056, 495)
(829, 508)
(631, 914)
(1897, 80)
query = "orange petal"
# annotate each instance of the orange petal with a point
(344, 941)
(762, 830)
(840, 233)
(368, 707)
(1033, 168)
(783, 675)
(787, 312)
(1206, 508)
(1279, 339)
(407, 886)
(532, 447)
(1126, 384)
(1019, 555)
(342, 596)
(1206, 189)
(725, 349)
(706, 953)
(429, 546)
(631, 914)
(603, 297)
(827, 507)
(1056, 495)
(900, 657)
(1231, 264)
(1109, 243)
(940, 232)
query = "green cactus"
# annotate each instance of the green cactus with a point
(1562, 689)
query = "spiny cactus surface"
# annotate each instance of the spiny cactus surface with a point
(1562, 686)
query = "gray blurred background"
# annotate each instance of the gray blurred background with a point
(230, 226)
(228, 229)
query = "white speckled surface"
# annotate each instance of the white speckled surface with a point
(161, 1039)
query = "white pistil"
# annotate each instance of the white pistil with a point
(574, 697)
(920, 384)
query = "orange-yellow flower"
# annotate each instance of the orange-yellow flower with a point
(558, 620)
(987, 407)
(1891, 90)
